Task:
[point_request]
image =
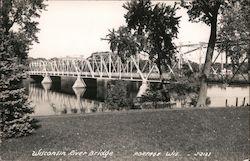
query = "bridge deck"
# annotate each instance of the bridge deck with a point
(153, 77)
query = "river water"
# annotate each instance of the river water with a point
(50, 99)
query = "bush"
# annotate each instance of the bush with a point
(15, 109)
(19, 127)
(117, 97)
(183, 89)
(155, 94)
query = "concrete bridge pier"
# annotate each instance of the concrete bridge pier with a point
(142, 90)
(79, 83)
(46, 79)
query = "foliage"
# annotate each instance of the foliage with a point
(13, 101)
(181, 88)
(155, 94)
(117, 97)
(205, 11)
(150, 29)
(186, 88)
(124, 42)
(17, 32)
(233, 32)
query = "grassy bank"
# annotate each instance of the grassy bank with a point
(221, 131)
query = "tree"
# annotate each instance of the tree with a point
(233, 33)
(150, 29)
(123, 42)
(18, 28)
(207, 12)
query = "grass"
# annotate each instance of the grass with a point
(222, 131)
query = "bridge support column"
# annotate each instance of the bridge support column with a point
(46, 79)
(79, 83)
(143, 88)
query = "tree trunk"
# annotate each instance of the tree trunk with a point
(159, 65)
(248, 54)
(207, 66)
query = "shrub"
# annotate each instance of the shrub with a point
(155, 93)
(183, 89)
(14, 105)
(117, 97)
(19, 127)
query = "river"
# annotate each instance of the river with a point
(53, 100)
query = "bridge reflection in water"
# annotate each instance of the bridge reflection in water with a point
(49, 102)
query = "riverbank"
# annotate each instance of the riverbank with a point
(237, 79)
(179, 133)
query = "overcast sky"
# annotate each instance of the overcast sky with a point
(73, 28)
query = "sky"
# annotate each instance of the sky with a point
(75, 28)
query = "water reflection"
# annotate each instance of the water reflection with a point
(46, 86)
(52, 100)
(48, 102)
(219, 93)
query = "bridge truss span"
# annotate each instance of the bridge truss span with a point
(107, 65)
(100, 65)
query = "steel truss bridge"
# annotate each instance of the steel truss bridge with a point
(106, 65)
(102, 65)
